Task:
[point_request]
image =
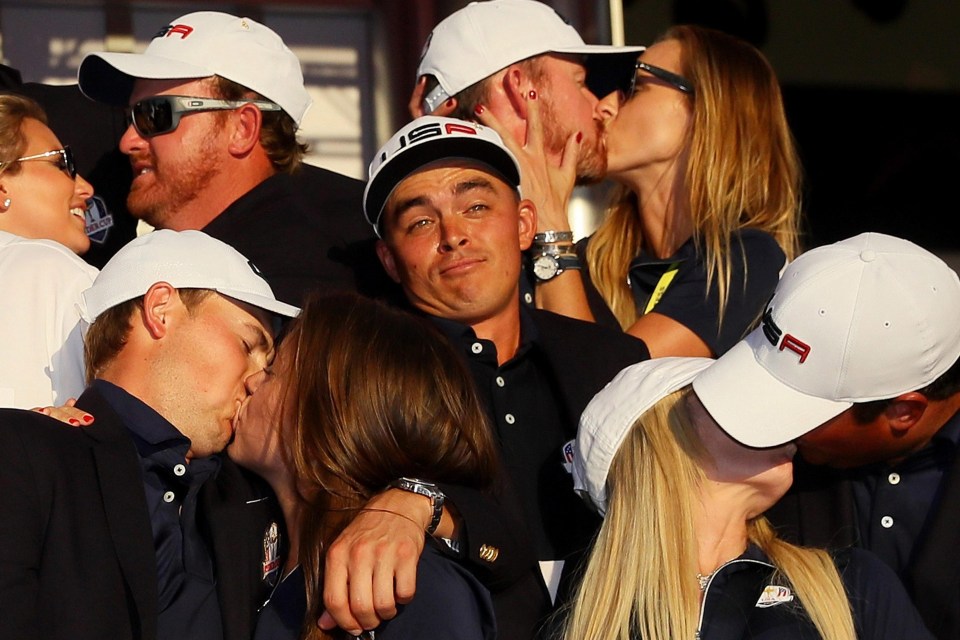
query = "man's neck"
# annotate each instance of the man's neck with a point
(503, 330)
(215, 199)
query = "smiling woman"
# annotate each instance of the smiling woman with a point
(42, 229)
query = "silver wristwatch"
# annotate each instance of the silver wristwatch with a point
(428, 489)
(547, 266)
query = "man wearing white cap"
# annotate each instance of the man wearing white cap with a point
(215, 102)
(856, 359)
(133, 527)
(443, 196)
(500, 53)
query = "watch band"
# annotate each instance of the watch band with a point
(547, 265)
(428, 489)
(553, 237)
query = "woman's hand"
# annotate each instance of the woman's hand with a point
(549, 186)
(67, 413)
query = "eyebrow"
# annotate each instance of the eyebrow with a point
(263, 338)
(459, 189)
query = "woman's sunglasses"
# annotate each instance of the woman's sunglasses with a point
(676, 81)
(161, 114)
(63, 158)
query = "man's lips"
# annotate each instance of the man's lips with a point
(458, 265)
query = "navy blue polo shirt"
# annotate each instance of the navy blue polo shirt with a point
(894, 504)
(186, 585)
(522, 398)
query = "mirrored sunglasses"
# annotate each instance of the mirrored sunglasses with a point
(161, 114)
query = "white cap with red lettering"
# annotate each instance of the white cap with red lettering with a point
(478, 40)
(424, 141)
(201, 45)
(867, 318)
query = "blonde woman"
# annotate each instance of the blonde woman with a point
(42, 231)
(684, 550)
(707, 212)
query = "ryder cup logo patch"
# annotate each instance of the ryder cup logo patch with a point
(773, 595)
(568, 456)
(271, 554)
(98, 220)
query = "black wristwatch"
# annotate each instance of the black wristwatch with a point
(428, 489)
(547, 266)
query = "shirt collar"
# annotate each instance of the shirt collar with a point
(152, 432)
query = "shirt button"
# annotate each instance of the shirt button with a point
(476, 347)
(179, 470)
(894, 478)
(509, 418)
(500, 381)
(528, 298)
(169, 496)
(886, 522)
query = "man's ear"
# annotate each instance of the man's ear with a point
(388, 261)
(905, 411)
(245, 135)
(527, 219)
(159, 305)
(516, 87)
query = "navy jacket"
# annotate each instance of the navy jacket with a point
(77, 557)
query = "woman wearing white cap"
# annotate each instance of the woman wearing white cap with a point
(708, 210)
(42, 231)
(360, 395)
(685, 551)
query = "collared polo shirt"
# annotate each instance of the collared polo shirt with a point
(894, 505)
(523, 401)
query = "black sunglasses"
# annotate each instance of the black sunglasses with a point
(63, 158)
(161, 114)
(676, 81)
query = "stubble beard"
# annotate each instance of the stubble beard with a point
(592, 160)
(173, 187)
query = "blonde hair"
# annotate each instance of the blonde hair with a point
(742, 168)
(14, 109)
(649, 592)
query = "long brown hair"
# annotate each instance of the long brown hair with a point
(742, 168)
(376, 394)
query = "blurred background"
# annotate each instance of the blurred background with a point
(872, 88)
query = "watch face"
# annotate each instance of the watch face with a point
(545, 267)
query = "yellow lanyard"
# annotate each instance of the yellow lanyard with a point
(661, 287)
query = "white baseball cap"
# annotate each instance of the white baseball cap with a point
(200, 45)
(426, 140)
(485, 37)
(867, 318)
(611, 414)
(185, 260)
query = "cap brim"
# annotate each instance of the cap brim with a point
(109, 77)
(263, 302)
(600, 49)
(395, 170)
(755, 408)
(609, 73)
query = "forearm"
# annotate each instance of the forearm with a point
(564, 294)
